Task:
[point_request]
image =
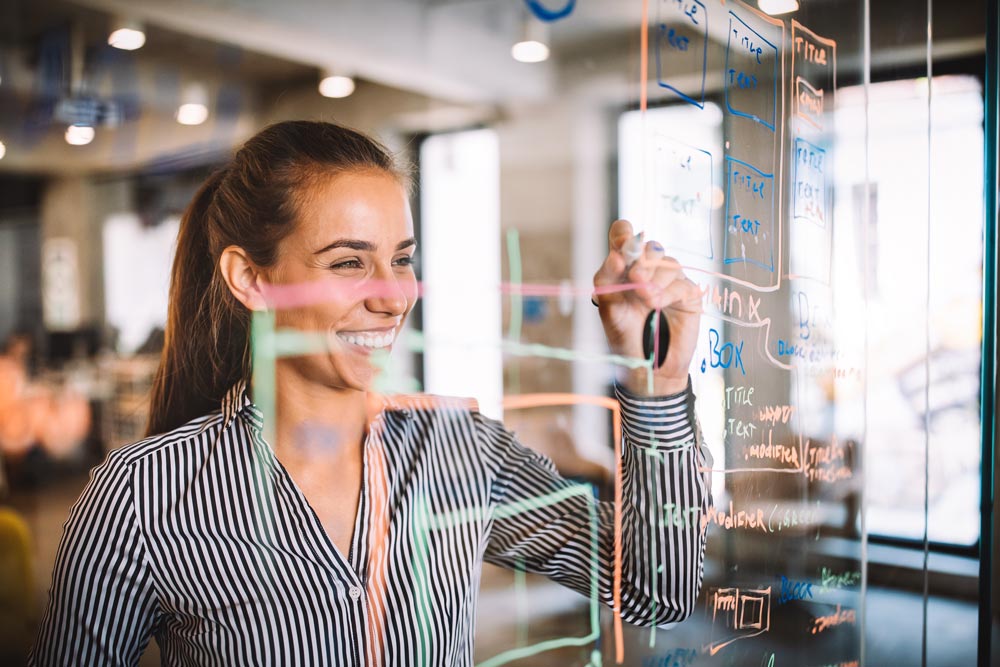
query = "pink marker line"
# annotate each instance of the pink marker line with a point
(297, 295)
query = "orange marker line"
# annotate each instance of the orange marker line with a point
(545, 400)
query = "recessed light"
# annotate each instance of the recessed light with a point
(79, 135)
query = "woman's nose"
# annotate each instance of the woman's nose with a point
(390, 294)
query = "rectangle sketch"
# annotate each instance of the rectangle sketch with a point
(809, 196)
(738, 614)
(814, 71)
(683, 192)
(682, 49)
(811, 230)
(751, 74)
(808, 103)
(749, 227)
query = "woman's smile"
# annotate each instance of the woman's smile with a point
(366, 340)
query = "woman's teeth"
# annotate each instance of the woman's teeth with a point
(369, 340)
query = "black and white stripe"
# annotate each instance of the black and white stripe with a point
(200, 538)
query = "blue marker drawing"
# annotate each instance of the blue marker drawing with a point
(543, 13)
(672, 40)
(809, 183)
(684, 179)
(758, 49)
(749, 215)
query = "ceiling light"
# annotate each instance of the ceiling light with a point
(194, 105)
(3, 150)
(127, 35)
(532, 47)
(775, 7)
(192, 114)
(79, 135)
(335, 85)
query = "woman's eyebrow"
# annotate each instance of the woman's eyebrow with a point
(363, 246)
(353, 244)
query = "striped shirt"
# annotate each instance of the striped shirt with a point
(200, 538)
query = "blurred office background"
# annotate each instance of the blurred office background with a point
(113, 112)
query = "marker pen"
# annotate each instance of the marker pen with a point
(655, 339)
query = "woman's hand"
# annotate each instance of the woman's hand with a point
(623, 314)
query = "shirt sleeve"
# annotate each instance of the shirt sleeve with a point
(102, 604)
(546, 524)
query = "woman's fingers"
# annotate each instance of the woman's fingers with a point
(681, 295)
(660, 280)
(613, 270)
(619, 234)
(662, 283)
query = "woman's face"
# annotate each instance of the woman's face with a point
(353, 240)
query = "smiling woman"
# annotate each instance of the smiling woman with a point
(355, 531)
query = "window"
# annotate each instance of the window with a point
(460, 260)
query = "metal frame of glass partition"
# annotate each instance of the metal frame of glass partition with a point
(988, 513)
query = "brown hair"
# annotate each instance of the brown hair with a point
(252, 202)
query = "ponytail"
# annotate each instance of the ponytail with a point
(200, 360)
(251, 203)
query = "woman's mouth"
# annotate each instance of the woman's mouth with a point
(368, 340)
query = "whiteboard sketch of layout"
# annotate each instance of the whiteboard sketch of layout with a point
(738, 614)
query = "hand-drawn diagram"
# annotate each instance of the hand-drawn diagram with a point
(750, 228)
(751, 75)
(682, 48)
(763, 348)
(738, 614)
(814, 71)
(684, 189)
(809, 187)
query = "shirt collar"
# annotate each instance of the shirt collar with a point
(237, 401)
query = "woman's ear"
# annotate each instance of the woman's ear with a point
(242, 277)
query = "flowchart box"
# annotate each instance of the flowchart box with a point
(683, 197)
(749, 230)
(751, 74)
(809, 104)
(682, 48)
(810, 231)
(809, 196)
(814, 71)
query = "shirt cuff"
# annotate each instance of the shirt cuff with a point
(658, 422)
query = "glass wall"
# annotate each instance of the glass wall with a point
(816, 168)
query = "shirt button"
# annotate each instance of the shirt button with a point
(355, 593)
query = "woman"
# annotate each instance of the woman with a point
(234, 550)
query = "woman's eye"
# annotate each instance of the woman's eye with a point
(346, 264)
(404, 261)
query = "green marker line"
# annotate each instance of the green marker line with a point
(290, 343)
(514, 268)
(451, 519)
(265, 342)
(516, 303)
(417, 342)
(262, 344)
(419, 529)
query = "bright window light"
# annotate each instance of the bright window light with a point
(903, 313)
(460, 260)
